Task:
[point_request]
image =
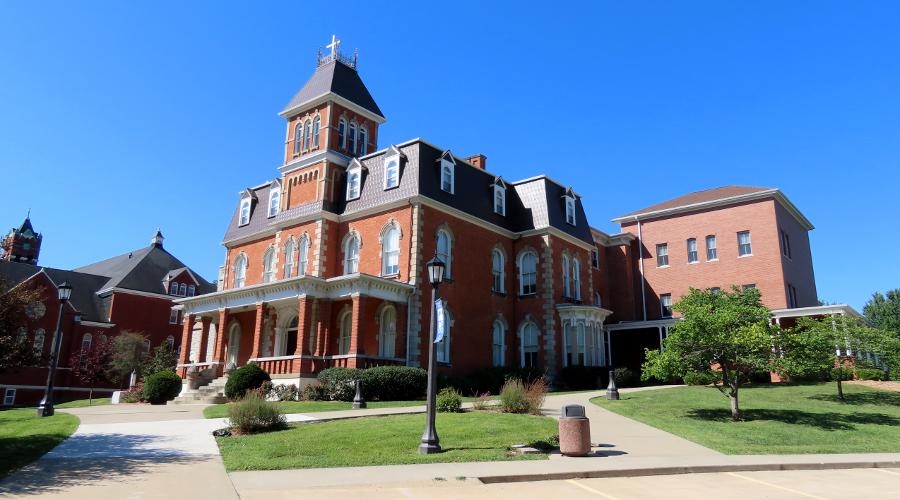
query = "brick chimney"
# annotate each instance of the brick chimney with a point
(478, 160)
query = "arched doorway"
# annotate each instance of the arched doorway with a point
(234, 345)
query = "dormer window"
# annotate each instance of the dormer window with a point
(448, 167)
(499, 197)
(570, 209)
(274, 199)
(354, 180)
(245, 212)
(392, 172)
(363, 140)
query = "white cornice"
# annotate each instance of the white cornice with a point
(317, 157)
(94, 324)
(331, 96)
(827, 310)
(135, 292)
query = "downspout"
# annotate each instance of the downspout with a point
(641, 271)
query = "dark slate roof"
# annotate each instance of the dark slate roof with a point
(709, 195)
(84, 286)
(340, 79)
(143, 270)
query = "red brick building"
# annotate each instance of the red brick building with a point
(324, 264)
(130, 292)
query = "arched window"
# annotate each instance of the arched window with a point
(363, 140)
(390, 251)
(182, 289)
(447, 178)
(387, 337)
(353, 183)
(567, 281)
(289, 258)
(38, 345)
(307, 130)
(173, 289)
(528, 273)
(498, 348)
(597, 300)
(342, 133)
(445, 251)
(170, 342)
(192, 290)
(304, 250)
(497, 268)
(344, 338)
(269, 265)
(351, 138)
(351, 255)
(529, 345)
(442, 348)
(274, 200)
(240, 271)
(245, 212)
(86, 344)
(298, 133)
(315, 131)
(576, 278)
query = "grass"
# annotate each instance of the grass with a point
(778, 419)
(25, 437)
(81, 403)
(221, 410)
(465, 437)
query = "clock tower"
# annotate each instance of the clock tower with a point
(22, 244)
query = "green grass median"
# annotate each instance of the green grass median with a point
(25, 437)
(219, 411)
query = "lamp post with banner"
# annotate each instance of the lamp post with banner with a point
(430, 442)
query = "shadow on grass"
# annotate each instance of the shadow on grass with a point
(876, 398)
(828, 421)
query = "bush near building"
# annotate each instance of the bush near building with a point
(448, 401)
(245, 378)
(161, 387)
(383, 383)
(254, 414)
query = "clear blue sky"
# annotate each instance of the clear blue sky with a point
(118, 117)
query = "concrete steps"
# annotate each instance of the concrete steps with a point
(211, 393)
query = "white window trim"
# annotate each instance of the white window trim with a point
(570, 210)
(662, 306)
(499, 190)
(269, 264)
(537, 344)
(358, 173)
(245, 202)
(521, 272)
(749, 243)
(302, 255)
(502, 273)
(452, 168)
(387, 162)
(347, 260)
(274, 200)
(9, 396)
(362, 140)
(384, 250)
(384, 333)
(502, 361)
(448, 262)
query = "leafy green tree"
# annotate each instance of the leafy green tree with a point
(883, 311)
(726, 333)
(162, 359)
(128, 353)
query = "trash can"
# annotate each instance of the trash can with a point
(574, 431)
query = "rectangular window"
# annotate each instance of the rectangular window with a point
(499, 200)
(173, 317)
(595, 259)
(712, 251)
(692, 250)
(662, 255)
(570, 210)
(392, 172)
(9, 397)
(353, 184)
(245, 212)
(785, 244)
(748, 286)
(792, 297)
(715, 289)
(665, 305)
(191, 291)
(744, 247)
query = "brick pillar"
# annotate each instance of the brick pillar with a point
(323, 328)
(304, 320)
(357, 318)
(270, 332)
(204, 338)
(257, 329)
(400, 342)
(219, 351)
(186, 341)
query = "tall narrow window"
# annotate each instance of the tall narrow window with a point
(712, 251)
(792, 296)
(85, 348)
(240, 271)
(692, 250)
(274, 199)
(443, 347)
(353, 180)
(351, 139)
(191, 290)
(390, 252)
(498, 347)
(785, 244)
(317, 123)
(528, 273)
(269, 265)
(576, 278)
(298, 136)
(342, 133)
(665, 305)
(289, 258)
(447, 178)
(307, 134)
(499, 200)
(392, 172)
(170, 342)
(245, 212)
(387, 337)
(570, 210)
(744, 247)
(303, 251)
(445, 251)
(595, 259)
(567, 280)
(497, 269)
(363, 141)
(351, 255)
(662, 255)
(346, 329)
(529, 345)
(38, 345)
(173, 317)
(182, 290)
(173, 290)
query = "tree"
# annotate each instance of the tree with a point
(883, 311)
(162, 359)
(15, 350)
(128, 353)
(95, 366)
(726, 333)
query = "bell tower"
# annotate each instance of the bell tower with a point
(22, 244)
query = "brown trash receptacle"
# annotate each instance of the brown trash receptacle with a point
(574, 431)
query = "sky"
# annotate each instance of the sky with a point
(120, 117)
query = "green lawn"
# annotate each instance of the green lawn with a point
(778, 419)
(465, 437)
(81, 403)
(24, 437)
(218, 411)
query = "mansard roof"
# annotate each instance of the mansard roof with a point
(337, 78)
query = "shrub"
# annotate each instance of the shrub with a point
(700, 378)
(284, 392)
(161, 387)
(394, 383)
(869, 374)
(841, 373)
(314, 392)
(489, 379)
(245, 378)
(339, 382)
(254, 414)
(513, 398)
(624, 377)
(267, 389)
(448, 401)
(535, 392)
(482, 401)
(133, 395)
(578, 378)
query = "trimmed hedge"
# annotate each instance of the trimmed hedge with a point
(869, 374)
(489, 379)
(161, 387)
(339, 383)
(382, 383)
(245, 378)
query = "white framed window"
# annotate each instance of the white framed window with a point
(529, 345)
(392, 172)
(170, 342)
(182, 290)
(498, 343)
(298, 136)
(567, 278)
(240, 271)
(665, 305)
(499, 199)
(570, 210)
(443, 347)
(744, 247)
(317, 123)
(342, 133)
(363, 140)
(576, 278)
(575, 344)
(274, 199)
(38, 345)
(346, 331)
(351, 138)
(445, 251)
(173, 289)
(528, 273)
(173, 317)
(390, 252)
(387, 337)
(304, 252)
(448, 173)
(354, 179)
(351, 254)
(712, 250)
(692, 251)
(269, 265)
(662, 255)
(307, 134)
(289, 258)
(245, 212)
(497, 270)
(9, 396)
(192, 290)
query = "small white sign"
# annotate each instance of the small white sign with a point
(439, 323)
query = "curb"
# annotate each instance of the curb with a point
(689, 469)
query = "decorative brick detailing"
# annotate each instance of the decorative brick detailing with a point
(550, 358)
(416, 270)
(356, 343)
(323, 328)
(204, 338)
(319, 249)
(258, 329)
(219, 352)
(186, 338)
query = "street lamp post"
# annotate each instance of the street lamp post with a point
(45, 409)
(430, 441)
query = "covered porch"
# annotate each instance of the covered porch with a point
(297, 327)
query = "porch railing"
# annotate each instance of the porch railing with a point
(280, 365)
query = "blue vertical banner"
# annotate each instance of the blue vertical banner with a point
(439, 320)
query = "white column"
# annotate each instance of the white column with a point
(660, 337)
